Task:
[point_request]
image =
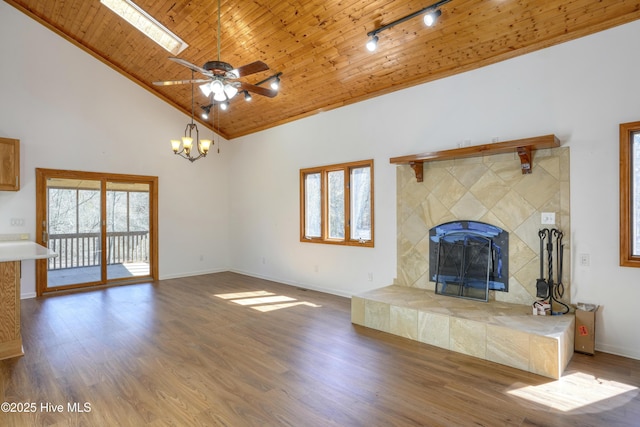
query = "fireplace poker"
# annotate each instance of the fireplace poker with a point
(542, 287)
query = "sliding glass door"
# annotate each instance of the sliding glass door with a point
(102, 226)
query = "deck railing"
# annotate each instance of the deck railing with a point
(83, 249)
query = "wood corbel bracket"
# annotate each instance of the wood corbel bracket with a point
(418, 169)
(525, 159)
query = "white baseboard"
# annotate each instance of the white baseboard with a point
(192, 273)
(619, 351)
(294, 284)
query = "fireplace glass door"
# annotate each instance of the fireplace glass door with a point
(463, 265)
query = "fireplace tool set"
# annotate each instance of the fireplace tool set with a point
(548, 291)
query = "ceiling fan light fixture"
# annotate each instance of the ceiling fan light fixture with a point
(430, 18)
(205, 111)
(275, 84)
(217, 87)
(230, 90)
(220, 97)
(224, 105)
(206, 89)
(372, 44)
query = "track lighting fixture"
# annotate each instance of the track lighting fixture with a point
(247, 96)
(431, 14)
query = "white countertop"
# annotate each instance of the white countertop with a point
(22, 250)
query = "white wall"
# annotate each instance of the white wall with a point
(71, 111)
(581, 91)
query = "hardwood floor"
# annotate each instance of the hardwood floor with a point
(175, 353)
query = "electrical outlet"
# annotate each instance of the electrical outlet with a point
(548, 218)
(585, 260)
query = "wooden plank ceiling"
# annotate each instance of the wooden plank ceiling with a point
(319, 45)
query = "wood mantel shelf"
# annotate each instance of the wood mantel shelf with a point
(524, 147)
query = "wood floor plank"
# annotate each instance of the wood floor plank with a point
(230, 350)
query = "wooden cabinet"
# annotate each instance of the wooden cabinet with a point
(9, 164)
(10, 336)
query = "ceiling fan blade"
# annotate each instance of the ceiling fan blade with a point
(254, 67)
(180, 82)
(190, 66)
(258, 89)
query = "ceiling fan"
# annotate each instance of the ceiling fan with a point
(221, 78)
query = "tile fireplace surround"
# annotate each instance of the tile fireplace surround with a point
(489, 189)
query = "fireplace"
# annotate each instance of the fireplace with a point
(467, 259)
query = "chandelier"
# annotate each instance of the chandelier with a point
(184, 146)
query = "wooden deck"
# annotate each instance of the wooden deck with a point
(229, 350)
(68, 276)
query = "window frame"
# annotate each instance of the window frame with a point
(324, 208)
(627, 258)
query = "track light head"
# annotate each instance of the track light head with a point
(247, 96)
(372, 44)
(431, 17)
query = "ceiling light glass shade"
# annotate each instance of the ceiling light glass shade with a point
(372, 44)
(205, 144)
(230, 90)
(224, 106)
(220, 96)
(187, 143)
(430, 18)
(206, 89)
(217, 86)
(175, 145)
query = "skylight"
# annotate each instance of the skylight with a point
(146, 24)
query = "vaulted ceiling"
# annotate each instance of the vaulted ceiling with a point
(319, 45)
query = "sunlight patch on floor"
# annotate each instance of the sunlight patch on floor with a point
(264, 301)
(266, 308)
(235, 295)
(579, 392)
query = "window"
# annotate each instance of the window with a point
(630, 194)
(336, 204)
